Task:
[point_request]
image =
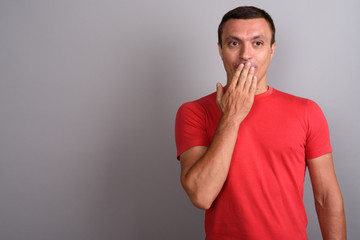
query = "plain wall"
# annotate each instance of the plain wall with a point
(88, 96)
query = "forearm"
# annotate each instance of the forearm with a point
(205, 179)
(332, 217)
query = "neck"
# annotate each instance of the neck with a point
(261, 89)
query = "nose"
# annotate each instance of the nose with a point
(245, 52)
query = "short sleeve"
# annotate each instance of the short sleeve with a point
(190, 128)
(318, 138)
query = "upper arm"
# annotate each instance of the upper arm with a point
(323, 178)
(190, 128)
(189, 158)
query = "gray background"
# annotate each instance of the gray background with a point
(88, 96)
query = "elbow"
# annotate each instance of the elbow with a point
(198, 197)
(201, 202)
(333, 202)
(319, 202)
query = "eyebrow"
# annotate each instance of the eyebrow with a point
(253, 38)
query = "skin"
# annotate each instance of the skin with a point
(247, 41)
(246, 53)
(328, 199)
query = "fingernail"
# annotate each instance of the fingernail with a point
(252, 68)
(241, 65)
(248, 63)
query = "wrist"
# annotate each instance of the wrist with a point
(230, 122)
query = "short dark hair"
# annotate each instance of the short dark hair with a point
(246, 12)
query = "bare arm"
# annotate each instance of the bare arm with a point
(328, 198)
(204, 170)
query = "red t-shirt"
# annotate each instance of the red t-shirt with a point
(262, 197)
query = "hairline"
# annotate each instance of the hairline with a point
(269, 25)
(254, 13)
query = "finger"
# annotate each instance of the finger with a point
(235, 79)
(253, 86)
(219, 93)
(243, 75)
(249, 79)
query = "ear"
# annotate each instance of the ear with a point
(220, 50)
(273, 49)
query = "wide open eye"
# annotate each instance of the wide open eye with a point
(258, 43)
(233, 44)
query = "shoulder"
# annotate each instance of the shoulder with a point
(286, 97)
(296, 103)
(201, 105)
(293, 100)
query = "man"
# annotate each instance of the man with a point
(244, 149)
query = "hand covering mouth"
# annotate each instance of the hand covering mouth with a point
(253, 64)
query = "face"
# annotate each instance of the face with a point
(247, 41)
